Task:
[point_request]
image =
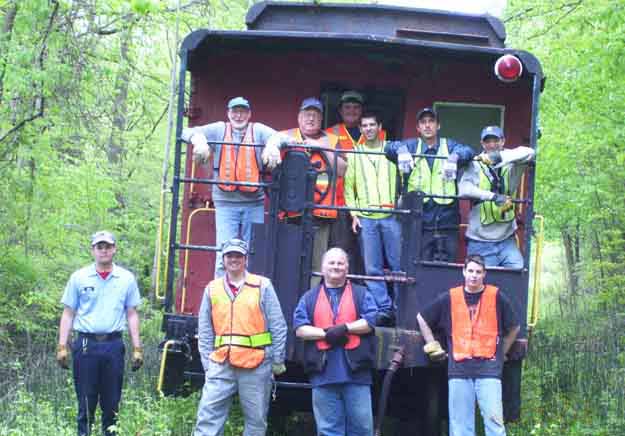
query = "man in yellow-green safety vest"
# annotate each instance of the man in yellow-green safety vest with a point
(370, 184)
(492, 181)
(433, 171)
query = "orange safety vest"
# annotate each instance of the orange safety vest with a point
(238, 324)
(323, 184)
(346, 142)
(322, 316)
(475, 337)
(238, 164)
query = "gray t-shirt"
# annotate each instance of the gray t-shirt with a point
(215, 132)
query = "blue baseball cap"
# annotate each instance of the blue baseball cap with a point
(238, 101)
(427, 111)
(234, 245)
(102, 236)
(311, 103)
(492, 131)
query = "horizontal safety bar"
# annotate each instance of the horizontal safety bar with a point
(221, 182)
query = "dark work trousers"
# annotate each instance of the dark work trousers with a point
(441, 246)
(341, 236)
(98, 377)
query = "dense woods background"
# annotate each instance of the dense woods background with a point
(84, 110)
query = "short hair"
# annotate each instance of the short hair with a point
(475, 258)
(334, 250)
(373, 115)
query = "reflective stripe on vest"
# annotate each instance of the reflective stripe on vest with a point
(475, 337)
(323, 183)
(323, 315)
(375, 181)
(238, 323)
(431, 181)
(238, 163)
(489, 211)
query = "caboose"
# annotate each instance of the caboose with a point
(401, 60)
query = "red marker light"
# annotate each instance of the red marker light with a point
(508, 68)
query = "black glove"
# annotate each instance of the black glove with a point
(337, 335)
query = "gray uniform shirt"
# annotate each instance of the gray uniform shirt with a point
(215, 132)
(274, 320)
(516, 159)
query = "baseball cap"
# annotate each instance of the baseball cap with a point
(311, 103)
(491, 131)
(238, 101)
(102, 236)
(427, 111)
(352, 96)
(234, 246)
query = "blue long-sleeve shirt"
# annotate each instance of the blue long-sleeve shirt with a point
(434, 214)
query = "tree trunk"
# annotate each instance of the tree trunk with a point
(570, 241)
(5, 37)
(115, 147)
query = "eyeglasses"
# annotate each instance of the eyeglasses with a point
(103, 246)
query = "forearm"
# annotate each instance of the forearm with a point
(426, 331)
(310, 333)
(358, 327)
(509, 339)
(133, 327)
(65, 326)
(341, 163)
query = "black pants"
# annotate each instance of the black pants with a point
(441, 245)
(98, 378)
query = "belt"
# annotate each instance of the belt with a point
(101, 337)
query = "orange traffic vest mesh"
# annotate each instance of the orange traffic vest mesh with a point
(238, 163)
(475, 337)
(241, 317)
(323, 184)
(346, 142)
(322, 316)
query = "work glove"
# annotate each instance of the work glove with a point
(62, 356)
(136, 361)
(405, 162)
(337, 335)
(271, 153)
(201, 150)
(491, 158)
(450, 168)
(503, 201)
(278, 368)
(434, 351)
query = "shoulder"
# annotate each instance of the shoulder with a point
(82, 273)
(122, 272)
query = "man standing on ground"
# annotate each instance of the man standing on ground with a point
(237, 207)
(100, 300)
(370, 183)
(435, 175)
(480, 326)
(492, 180)
(335, 320)
(241, 339)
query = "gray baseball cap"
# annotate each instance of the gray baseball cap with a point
(492, 131)
(238, 101)
(234, 246)
(102, 236)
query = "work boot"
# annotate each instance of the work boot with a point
(385, 319)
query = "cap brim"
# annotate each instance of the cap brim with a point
(235, 250)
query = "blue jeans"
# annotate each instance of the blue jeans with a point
(462, 396)
(343, 410)
(235, 222)
(377, 238)
(497, 253)
(98, 369)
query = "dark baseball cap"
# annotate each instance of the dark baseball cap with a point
(491, 131)
(102, 236)
(238, 101)
(234, 245)
(427, 111)
(352, 97)
(311, 103)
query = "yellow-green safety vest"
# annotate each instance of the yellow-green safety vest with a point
(375, 182)
(431, 181)
(489, 212)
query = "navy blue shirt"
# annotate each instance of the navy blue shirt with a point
(434, 214)
(337, 369)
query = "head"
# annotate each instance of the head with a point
(492, 139)
(350, 108)
(370, 126)
(474, 272)
(310, 117)
(103, 249)
(234, 252)
(239, 113)
(334, 267)
(428, 124)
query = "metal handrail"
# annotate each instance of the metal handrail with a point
(540, 239)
